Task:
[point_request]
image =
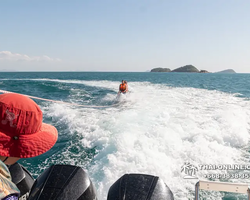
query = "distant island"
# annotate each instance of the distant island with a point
(188, 68)
(159, 69)
(227, 71)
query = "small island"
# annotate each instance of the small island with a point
(186, 68)
(159, 69)
(189, 69)
(227, 71)
(204, 71)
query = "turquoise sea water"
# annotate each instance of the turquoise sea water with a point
(166, 120)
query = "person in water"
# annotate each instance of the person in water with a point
(123, 88)
(126, 85)
(22, 135)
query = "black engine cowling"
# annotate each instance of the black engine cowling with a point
(67, 182)
(139, 187)
(22, 178)
(63, 182)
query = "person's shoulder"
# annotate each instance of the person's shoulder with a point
(7, 187)
(4, 170)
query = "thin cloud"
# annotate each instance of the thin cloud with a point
(9, 56)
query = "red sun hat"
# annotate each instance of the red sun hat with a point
(22, 132)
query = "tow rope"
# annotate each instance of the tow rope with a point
(62, 102)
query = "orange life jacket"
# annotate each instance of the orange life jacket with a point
(123, 87)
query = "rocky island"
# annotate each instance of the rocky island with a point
(204, 71)
(159, 69)
(227, 71)
(186, 68)
(189, 68)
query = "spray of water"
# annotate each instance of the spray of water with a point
(155, 130)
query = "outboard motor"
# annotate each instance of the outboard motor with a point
(139, 187)
(22, 179)
(63, 182)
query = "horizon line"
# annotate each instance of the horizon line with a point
(16, 71)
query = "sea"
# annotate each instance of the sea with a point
(166, 122)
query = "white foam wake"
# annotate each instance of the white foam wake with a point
(156, 130)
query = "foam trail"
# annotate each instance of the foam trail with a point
(155, 131)
(103, 84)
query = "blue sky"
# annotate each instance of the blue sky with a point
(124, 35)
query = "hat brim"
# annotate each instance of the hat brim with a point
(30, 145)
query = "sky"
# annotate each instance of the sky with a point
(124, 35)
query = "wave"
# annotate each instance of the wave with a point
(155, 130)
